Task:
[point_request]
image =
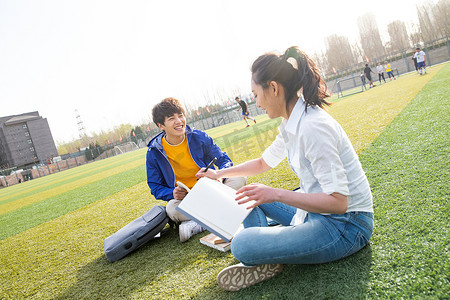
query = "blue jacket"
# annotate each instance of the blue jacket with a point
(160, 175)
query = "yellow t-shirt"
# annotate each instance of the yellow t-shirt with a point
(182, 163)
(388, 67)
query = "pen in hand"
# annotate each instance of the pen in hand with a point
(209, 165)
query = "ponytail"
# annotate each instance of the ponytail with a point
(295, 71)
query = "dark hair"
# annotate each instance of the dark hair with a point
(305, 75)
(166, 108)
(236, 98)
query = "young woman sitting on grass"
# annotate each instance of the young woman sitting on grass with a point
(331, 216)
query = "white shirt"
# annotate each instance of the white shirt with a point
(321, 155)
(380, 69)
(420, 56)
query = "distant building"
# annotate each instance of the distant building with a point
(25, 139)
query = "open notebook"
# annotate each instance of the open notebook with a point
(213, 205)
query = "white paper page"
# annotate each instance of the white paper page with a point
(213, 203)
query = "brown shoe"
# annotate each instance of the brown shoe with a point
(239, 276)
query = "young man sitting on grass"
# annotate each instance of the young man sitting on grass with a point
(177, 154)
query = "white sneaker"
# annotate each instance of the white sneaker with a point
(239, 276)
(188, 229)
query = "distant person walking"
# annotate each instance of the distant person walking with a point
(380, 71)
(421, 60)
(245, 113)
(363, 81)
(389, 70)
(415, 63)
(367, 71)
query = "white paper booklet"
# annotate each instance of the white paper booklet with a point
(213, 205)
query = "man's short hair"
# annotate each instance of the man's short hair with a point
(237, 98)
(166, 108)
(417, 48)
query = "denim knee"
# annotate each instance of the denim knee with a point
(256, 218)
(240, 245)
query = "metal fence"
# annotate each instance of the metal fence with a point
(20, 174)
(225, 116)
(437, 52)
(24, 173)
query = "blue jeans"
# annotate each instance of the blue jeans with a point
(320, 239)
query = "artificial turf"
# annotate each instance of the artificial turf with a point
(404, 155)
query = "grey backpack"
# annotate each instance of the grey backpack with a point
(136, 233)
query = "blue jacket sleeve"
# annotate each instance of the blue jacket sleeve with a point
(223, 161)
(156, 180)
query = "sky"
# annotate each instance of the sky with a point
(111, 61)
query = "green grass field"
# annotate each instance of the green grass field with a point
(52, 228)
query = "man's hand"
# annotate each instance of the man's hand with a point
(179, 193)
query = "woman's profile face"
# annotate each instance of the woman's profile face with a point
(266, 100)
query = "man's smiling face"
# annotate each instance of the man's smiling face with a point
(174, 126)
